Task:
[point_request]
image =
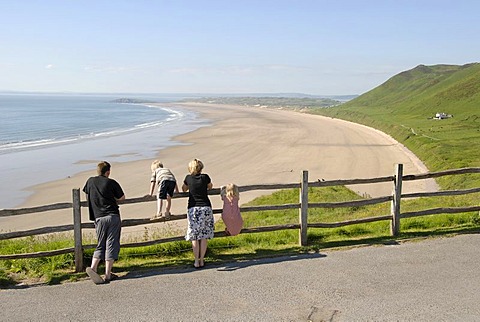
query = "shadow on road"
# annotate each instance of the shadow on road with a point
(233, 266)
(223, 267)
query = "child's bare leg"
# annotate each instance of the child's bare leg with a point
(159, 206)
(169, 205)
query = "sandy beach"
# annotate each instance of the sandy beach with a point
(246, 145)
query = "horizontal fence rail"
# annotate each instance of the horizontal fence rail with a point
(439, 211)
(303, 205)
(24, 211)
(441, 193)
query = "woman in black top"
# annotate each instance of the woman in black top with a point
(199, 215)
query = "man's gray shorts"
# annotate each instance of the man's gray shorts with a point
(108, 234)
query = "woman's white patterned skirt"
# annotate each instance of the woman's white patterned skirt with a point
(200, 223)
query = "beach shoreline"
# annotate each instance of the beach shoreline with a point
(244, 145)
(65, 152)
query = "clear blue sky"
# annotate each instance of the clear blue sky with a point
(322, 47)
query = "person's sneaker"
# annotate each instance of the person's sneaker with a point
(97, 279)
(167, 215)
(112, 278)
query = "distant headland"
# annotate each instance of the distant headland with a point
(131, 101)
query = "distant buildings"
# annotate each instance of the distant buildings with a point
(441, 116)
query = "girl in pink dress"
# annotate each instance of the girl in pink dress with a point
(231, 212)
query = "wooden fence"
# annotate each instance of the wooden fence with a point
(303, 205)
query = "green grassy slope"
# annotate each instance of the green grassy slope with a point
(404, 106)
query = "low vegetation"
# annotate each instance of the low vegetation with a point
(402, 107)
(297, 103)
(405, 106)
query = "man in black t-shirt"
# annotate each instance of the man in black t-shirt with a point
(103, 194)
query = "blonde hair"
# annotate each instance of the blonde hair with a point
(195, 167)
(156, 164)
(231, 190)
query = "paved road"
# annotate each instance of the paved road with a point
(428, 280)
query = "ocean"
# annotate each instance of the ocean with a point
(44, 137)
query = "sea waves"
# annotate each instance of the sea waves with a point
(64, 136)
(171, 116)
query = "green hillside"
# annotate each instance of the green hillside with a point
(404, 107)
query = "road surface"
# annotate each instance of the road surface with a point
(428, 280)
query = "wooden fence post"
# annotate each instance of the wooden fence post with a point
(77, 230)
(397, 195)
(303, 214)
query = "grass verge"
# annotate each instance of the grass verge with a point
(58, 269)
